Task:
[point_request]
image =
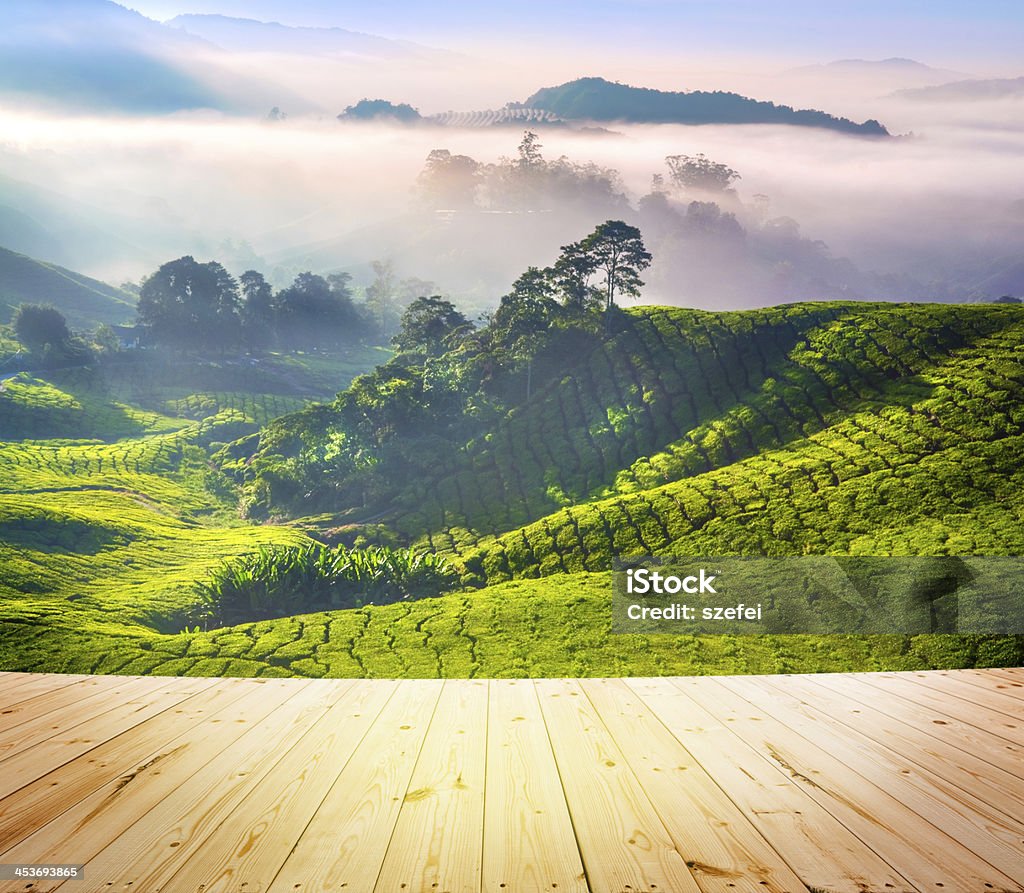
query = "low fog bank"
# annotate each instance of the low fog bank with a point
(813, 214)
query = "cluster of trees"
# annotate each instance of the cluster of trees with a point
(447, 380)
(527, 182)
(200, 306)
(700, 173)
(377, 109)
(531, 182)
(43, 329)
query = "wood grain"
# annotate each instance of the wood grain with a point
(623, 841)
(529, 843)
(845, 783)
(822, 851)
(437, 843)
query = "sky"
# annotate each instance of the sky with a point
(987, 34)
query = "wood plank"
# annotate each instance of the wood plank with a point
(723, 850)
(437, 842)
(1014, 675)
(777, 784)
(824, 853)
(168, 836)
(927, 723)
(39, 704)
(623, 841)
(95, 700)
(920, 851)
(949, 684)
(993, 722)
(248, 847)
(991, 679)
(34, 762)
(344, 844)
(19, 686)
(123, 778)
(529, 844)
(923, 783)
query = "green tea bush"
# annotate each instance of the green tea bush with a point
(280, 581)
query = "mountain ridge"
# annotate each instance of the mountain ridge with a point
(246, 34)
(597, 99)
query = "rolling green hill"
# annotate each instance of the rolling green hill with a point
(781, 431)
(864, 429)
(84, 302)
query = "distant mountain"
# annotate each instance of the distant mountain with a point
(84, 302)
(23, 233)
(596, 99)
(965, 91)
(249, 35)
(96, 55)
(1006, 277)
(897, 70)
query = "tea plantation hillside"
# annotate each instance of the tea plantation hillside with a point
(110, 508)
(875, 429)
(927, 462)
(821, 428)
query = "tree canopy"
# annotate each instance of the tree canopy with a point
(698, 172)
(616, 251)
(431, 326)
(38, 326)
(527, 182)
(191, 305)
(200, 307)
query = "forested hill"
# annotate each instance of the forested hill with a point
(596, 99)
(83, 301)
(827, 428)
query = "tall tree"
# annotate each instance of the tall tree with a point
(449, 181)
(572, 273)
(258, 309)
(316, 312)
(382, 295)
(529, 151)
(521, 326)
(189, 304)
(617, 250)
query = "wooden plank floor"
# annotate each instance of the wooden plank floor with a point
(847, 783)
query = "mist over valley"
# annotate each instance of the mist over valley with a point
(112, 185)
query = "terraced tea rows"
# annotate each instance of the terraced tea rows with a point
(258, 409)
(628, 398)
(103, 539)
(936, 470)
(681, 393)
(33, 408)
(492, 117)
(824, 428)
(557, 626)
